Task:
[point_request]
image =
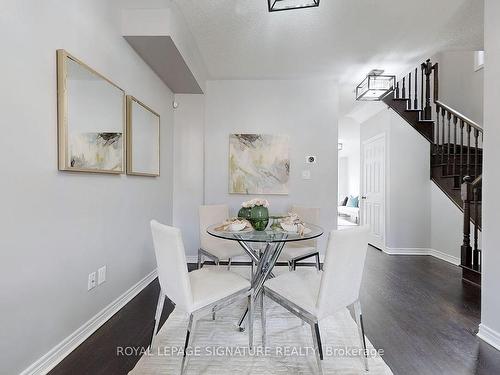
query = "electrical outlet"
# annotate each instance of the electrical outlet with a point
(91, 284)
(101, 275)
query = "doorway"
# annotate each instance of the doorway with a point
(372, 202)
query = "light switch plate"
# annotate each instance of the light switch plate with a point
(101, 275)
(306, 174)
(91, 283)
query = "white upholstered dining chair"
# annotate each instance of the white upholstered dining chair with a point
(297, 251)
(212, 247)
(314, 295)
(199, 292)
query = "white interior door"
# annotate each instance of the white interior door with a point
(372, 203)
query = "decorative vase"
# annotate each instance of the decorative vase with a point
(259, 217)
(244, 213)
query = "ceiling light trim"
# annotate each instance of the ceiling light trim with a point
(305, 4)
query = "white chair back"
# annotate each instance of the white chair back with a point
(342, 270)
(172, 265)
(309, 215)
(209, 215)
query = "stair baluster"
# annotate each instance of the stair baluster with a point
(476, 152)
(477, 252)
(469, 128)
(443, 114)
(456, 164)
(404, 89)
(448, 146)
(461, 150)
(422, 89)
(409, 91)
(415, 102)
(436, 133)
(466, 250)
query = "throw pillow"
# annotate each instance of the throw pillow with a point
(353, 201)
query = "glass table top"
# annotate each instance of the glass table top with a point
(269, 235)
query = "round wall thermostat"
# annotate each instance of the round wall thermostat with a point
(311, 159)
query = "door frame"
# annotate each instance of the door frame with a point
(385, 184)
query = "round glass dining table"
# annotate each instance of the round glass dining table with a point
(265, 257)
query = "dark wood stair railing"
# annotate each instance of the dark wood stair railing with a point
(456, 151)
(470, 253)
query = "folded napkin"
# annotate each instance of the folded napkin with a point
(225, 225)
(293, 219)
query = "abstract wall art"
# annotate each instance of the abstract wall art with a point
(258, 164)
(91, 119)
(98, 151)
(143, 139)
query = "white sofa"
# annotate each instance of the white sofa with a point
(353, 212)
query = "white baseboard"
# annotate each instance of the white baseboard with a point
(423, 251)
(489, 335)
(70, 343)
(443, 256)
(405, 251)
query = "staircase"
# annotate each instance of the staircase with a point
(456, 147)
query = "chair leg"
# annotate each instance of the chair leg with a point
(263, 318)
(294, 265)
(159, 309)
(229, 264)
(250, 321)
(318, 264)
(290, 266)
(251, 268)
(318, 349)
(199, 259)
(361, 330)
(190, 329)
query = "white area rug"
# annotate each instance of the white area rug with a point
(219, 348)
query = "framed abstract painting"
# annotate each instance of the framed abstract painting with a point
(91, 119)
(143, 139)
(258, 164)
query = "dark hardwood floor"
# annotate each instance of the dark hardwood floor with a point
(414, 307)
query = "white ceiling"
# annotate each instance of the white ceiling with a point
(341, 39)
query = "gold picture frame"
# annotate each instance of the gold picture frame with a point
(143, 152)
(91, 149)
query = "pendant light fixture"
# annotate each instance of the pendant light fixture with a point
(375, 86)
(278, 5)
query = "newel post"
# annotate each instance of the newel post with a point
(466, 249)
(427, 68)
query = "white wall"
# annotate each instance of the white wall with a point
(460, 86)
(490, 311)
(409, 186)
(407, 181)
(343, 188)
(189, 118)
(349, 131)
(420, 218)
(58, 227)
(304, 110)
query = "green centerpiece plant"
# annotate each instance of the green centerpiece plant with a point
(256, 212)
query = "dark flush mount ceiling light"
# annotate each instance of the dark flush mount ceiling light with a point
(277, 5)
(375, 86)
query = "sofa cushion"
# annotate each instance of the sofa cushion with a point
(353, 201)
